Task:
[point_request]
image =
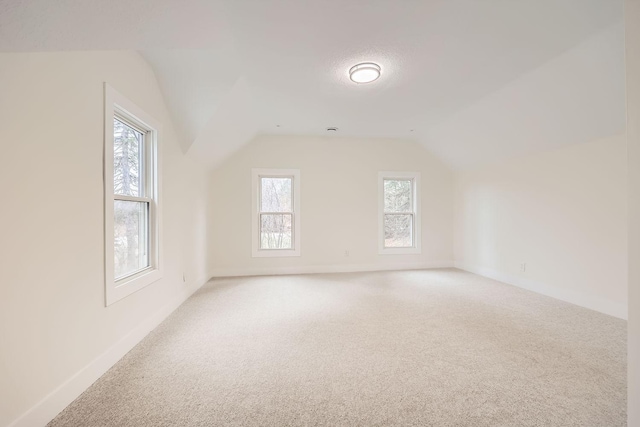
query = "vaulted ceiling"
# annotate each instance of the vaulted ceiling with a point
(474, 81)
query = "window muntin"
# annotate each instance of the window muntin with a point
(132, 202)
(399, 207)
(276, 216)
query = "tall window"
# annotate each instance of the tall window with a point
(132, 209)
(276, 212)
(131, 204)
(399, 207)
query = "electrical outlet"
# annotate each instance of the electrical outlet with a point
(523, 267)
(346, 253)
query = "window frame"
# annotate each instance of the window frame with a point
(117, 106)
(415, 178)
(256, 175)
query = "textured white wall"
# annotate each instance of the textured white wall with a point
(562, 212)
(53, 321)
(632, 21)
(339, 178)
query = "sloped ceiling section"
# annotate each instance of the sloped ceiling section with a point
(463, 77)
(577, 97)
(194, 83)
(232, 125)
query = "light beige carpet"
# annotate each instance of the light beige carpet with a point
(414, 348)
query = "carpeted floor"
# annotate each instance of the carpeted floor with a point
(412, 348)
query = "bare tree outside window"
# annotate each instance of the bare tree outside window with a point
(398, 213)
(131, 217)
(127, 159)
(276, 213)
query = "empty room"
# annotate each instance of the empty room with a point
(328, 213)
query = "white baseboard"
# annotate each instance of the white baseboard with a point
(47, 409)
(578, 298)
(327, 268)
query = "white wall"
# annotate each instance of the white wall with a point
(632, 21)
(562, 212)
(53, 322)
(339, 200)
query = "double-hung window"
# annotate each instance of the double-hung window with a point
(132, 209)
(276, 212)
(399, 213)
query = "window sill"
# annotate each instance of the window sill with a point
(399, 251)
(128, 285)
(275, 253)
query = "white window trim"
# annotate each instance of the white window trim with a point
(115, 102)
(255, 214)
(417, 248)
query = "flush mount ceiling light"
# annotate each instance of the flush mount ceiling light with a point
(365, 72)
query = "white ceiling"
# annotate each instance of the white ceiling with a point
(474, 80)
(32, 25)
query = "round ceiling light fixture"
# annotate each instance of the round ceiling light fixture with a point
(365, 72)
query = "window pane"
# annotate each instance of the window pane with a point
(398, 195)
(398, 231)
(131, 225)
(276, 195)
(275, 231)
(127, 160)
